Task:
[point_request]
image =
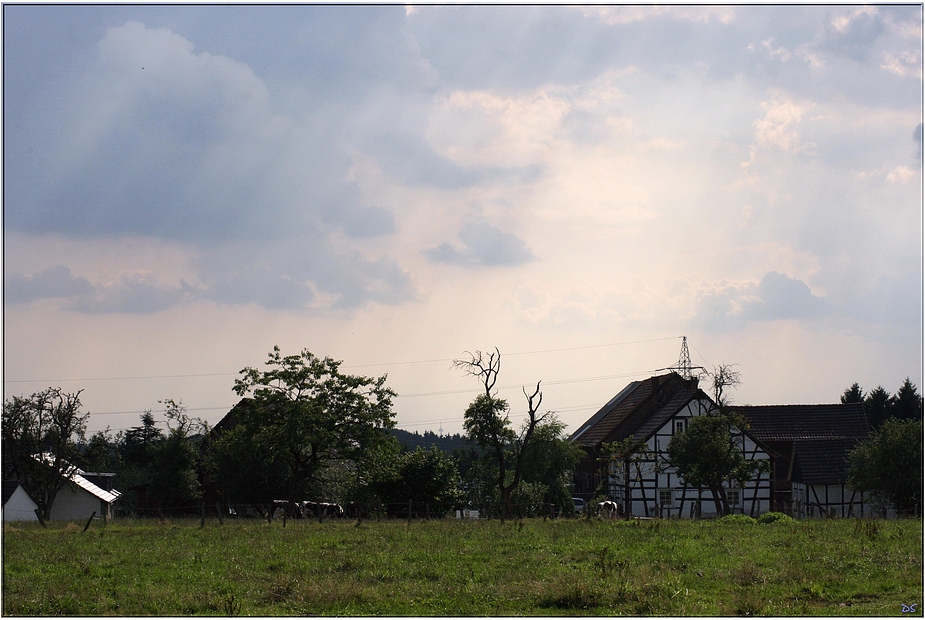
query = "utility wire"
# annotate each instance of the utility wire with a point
(227, 374)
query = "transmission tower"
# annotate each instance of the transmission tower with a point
(684, 366)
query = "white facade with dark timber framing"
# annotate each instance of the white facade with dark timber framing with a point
(654, 411)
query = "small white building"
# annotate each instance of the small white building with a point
(84, 495)
(17, 505)
(81, 500)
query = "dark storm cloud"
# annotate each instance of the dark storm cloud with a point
(483, 245)
(776, 297)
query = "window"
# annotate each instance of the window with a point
(665, 497)
(733, 496)
(680, 425)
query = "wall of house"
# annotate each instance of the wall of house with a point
(657, 491)
(20, 507)
(73, 505)
(830, 500)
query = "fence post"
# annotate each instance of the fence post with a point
(218, 510)
(89, 520)
(39, 515)
(202, 514)
(409, 511)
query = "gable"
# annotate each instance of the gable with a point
(640, 409)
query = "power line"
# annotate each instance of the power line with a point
(228, 374)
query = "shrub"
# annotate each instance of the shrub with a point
(775, 517)
(736, 519)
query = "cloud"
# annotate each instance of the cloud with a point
(781, 297)
(483, 245)
(776, 297)
(133, 294)
(54, 282)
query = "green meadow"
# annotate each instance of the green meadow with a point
(464, 568)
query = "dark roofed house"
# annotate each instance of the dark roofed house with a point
(654, 410)
(809, 446)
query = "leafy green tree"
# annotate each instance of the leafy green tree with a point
(550, 463)
(101, 452)
(423, 476)
(710, 453)
(889, 464)
(40, 438)
(305, 414)
(175, 461)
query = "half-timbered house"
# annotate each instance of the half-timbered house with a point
(643, 482)
(806, 447)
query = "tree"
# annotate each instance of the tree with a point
(423, 476)
(877, 407)
(854, 394)
(486, 421)
(710, 453)
(907, 404)
(305, 414)
(138, 442)
(627, 452)
(175, 461)
(889, 464)
(40, 435)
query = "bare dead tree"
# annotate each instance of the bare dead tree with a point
(487, 421)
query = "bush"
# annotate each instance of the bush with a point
(775, 517)
(736, 519)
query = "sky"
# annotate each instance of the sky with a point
(580, 187)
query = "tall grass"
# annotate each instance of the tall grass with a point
(462, 568)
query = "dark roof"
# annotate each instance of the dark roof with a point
(817, 437)
(822, 461)
(801, 422)
(640, 409)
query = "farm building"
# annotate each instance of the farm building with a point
(87, 493)
(806, 447)
(809, 446)
(645, 484)
(17, 505)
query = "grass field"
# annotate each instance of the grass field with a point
(462, 568)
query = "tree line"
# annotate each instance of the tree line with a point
(303, 430)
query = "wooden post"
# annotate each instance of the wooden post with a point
(218, 509)
(39, 515)
(202, 514)
(409, 511)
(90, 520)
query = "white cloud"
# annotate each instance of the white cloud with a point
(900, 174)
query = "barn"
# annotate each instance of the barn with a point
(809, 447)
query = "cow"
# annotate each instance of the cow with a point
(323, 510)
(281, 507)
(608, 509)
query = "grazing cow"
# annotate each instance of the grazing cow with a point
(292, 510)
(323, 510)
(608, 509)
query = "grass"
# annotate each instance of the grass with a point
(464, 568)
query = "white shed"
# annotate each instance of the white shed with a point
(17, 505)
